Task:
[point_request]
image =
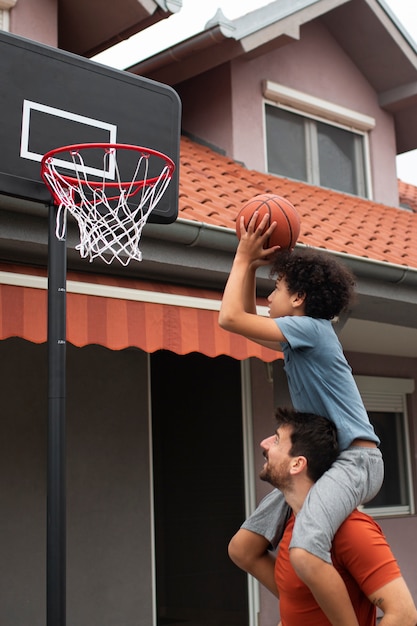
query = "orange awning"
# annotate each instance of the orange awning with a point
(119, 313)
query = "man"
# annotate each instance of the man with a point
(302, 449)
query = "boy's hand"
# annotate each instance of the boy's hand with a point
(254, 238)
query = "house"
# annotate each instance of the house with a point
(165, 410)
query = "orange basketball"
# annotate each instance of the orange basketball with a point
(280, 211)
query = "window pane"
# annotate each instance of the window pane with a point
(285, 138)
(337, 158)
(390, 429)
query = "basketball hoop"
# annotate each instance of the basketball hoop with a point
(111, 209)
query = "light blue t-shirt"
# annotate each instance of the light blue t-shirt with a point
(320, 378)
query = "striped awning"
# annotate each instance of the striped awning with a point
(120, 313)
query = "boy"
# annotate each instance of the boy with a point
(311, 289)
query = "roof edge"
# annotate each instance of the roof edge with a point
(244, 30)
(398, 25)
(171, 6)
(201, 235)
(180, 51)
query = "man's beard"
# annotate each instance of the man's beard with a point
(278, 477)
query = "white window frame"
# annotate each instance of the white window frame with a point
(5, 6)
(389, 395)
(310, 107)
(4, 20)
(249, 478)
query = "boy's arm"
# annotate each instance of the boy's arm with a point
(395, 600)
(238, 308)
(249, 290)
(249, 297)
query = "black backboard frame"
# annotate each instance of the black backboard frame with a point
(51, 98)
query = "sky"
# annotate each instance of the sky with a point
(193, 17)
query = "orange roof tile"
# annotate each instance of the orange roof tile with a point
(213, 188)
(408, 195)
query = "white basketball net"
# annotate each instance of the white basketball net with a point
(110, 215)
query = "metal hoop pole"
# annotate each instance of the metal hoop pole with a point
(56, 481)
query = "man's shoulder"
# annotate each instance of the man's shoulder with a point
(360, 548)
(359, 534)
(356, 525)
(358, 516)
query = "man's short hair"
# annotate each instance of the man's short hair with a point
(313, 436)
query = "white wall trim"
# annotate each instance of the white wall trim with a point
(384, 384)
(388, 395)
(4, 20)
(7, 4)
(120, 293)
(306, 103)
(249, 474)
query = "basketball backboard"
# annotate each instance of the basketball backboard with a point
(50, 98)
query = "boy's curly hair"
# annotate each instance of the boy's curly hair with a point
(328, 285)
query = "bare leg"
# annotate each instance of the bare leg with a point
(326, 585)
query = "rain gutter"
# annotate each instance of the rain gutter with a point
(180, 51)
(217, 238)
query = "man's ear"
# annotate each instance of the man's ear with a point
(298, 464)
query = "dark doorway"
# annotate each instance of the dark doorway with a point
(198, 489)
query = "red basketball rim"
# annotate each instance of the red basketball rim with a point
(78, 147)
